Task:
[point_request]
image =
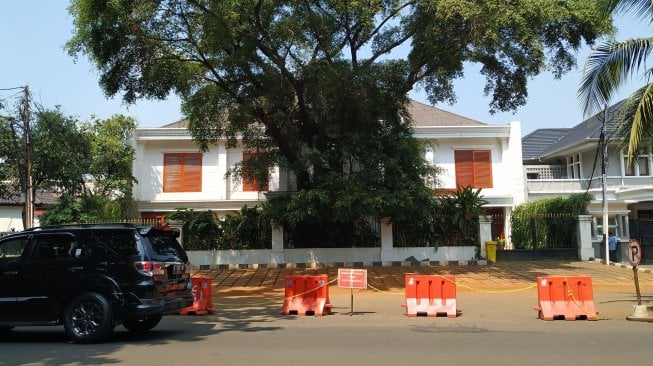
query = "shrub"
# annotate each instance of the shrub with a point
(552, 220)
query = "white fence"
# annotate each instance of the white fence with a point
(330, 255)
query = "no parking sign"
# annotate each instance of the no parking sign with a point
(634, 252)
(635, 256)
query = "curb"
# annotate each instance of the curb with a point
(620, 265)
(203, 267)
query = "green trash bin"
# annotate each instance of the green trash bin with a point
(491, 251)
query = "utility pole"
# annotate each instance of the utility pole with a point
(604, 183)
(29, 200)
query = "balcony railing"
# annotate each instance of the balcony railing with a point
(553, 178)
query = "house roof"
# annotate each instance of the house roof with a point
(422, 114)
(538, 141)
(586, 131)
(426, 115)
(14, 198)
(182, 123)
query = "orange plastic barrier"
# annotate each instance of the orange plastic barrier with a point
(202, 304)
(568, 297)
(431, 296)
(307, 295)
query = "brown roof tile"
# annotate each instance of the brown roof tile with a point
(422, 114)
(426, 115)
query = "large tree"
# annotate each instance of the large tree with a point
(611, 65)
(320, 87)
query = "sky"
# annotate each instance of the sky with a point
(31, 53)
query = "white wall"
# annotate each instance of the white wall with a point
(148, 170)
(504, 143)
(330, 255)
(11, 217)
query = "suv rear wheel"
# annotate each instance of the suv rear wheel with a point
(88, 318)
(141, 325)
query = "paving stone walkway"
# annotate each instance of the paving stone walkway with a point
(500, 276)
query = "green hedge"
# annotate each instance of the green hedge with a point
(552, 219)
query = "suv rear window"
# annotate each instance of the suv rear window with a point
(165, 246)
(121, 241)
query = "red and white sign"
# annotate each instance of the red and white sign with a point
(634, 252)
(352, 278)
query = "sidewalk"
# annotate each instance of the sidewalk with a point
(501, 276)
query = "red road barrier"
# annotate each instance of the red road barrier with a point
(202, 304)
(568, 297)
(431, 296)
(306, 294)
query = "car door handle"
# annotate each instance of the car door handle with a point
(11, 272)
(75, 269)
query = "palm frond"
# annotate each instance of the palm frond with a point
(606, 69)
(637, 119)
(641, 8)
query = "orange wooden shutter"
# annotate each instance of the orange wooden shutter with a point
(249, 183)
(192, 181)
(464, 167)
(172, 173)
(182, 172)
(482, 169)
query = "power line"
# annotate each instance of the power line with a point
(15, 88)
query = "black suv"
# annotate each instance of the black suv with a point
(91, 278)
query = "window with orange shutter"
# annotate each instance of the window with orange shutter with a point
(473, 168)
(249, 183)
(182, 172)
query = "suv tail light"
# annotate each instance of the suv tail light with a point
(149, 268)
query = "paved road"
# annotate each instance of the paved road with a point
(498, 326)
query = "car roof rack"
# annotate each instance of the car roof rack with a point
(86, 225)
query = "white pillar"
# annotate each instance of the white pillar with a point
(584, 234)
(507, 226)
(484, 232)
(277, 255)
(387, 245)
(179, 225)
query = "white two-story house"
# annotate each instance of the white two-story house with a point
(173, 173)
(558, 162)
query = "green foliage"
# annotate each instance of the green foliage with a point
(90, 161)
(453, 222)
(246, 229)
(552, 219)
(9, 157)
(613, 64)
(200, 231)
(86, 209)
(112, 154)
(61, 153)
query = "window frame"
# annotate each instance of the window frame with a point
(574, 166)
(636, 169)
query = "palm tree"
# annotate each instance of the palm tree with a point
(608, 67)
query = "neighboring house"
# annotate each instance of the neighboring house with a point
(172, 173)
(13, 206)
(558, 162)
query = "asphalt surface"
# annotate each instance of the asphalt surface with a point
(497, 324)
